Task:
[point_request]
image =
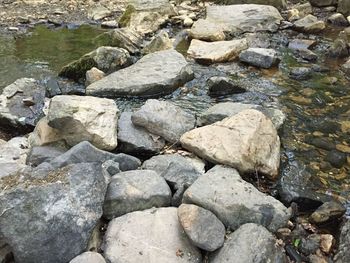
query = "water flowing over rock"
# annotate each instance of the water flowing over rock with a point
(165, 239)
(247, 141)
(21, 104)
(107, 59)
(155, 74)
(48, 217)
(250, 243)
(215, 52)
(165, 119)
(133, 191)
(85, 119)
(234, 19)
(235, 201)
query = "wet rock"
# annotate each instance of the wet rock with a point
(178, 171)
(247, 141)
(41, 154)
(234, 19)
(343, 251)
(301, 44)
(88, 257)
(328, 212)
(219, 86)
(93, 75)
(155, 74)
(259, 57)
(86, 152)
(53, 88)
(323, 143)
(336, 158)
(215, 52)
(160, 42)
(346, 67)
(339, 48)
(344, 7)
(322, 3)
(65, 211)
(107, 59)
(280, 4)
(306, 54)
(243, 246)
(14, 114)
(300, 73)
(135, 139)
(85, 119)
(338, 20)
(99, 12)
(163, 118)
(166, 240)
(202, 227)
(133, 191)
(243, 204)
(309, 24)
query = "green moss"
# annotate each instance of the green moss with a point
(77, 69)
(124, 20)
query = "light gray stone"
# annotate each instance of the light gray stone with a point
(160, 42)
(259, 57)
(158, 73)
(235, 201)
(88, 257)
(99, 12)
(309, 24)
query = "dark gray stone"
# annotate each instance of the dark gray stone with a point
(133, 191)
(310, 244)
(53, 88)
(219, 86)
(40, 154)
(300, 73)
(336, 158)
(328, 212)
(305, 54)
(111, 167)
(259, 57)
(339, 48)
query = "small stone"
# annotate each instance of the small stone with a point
(326, 243)
(88, 257)
(336, 158)
(93, 75)
(309, 24)
(301, 44)
(219, 86)
(28, 101)
(188, 22)
(300, 73)
(338, 20)
(310, 244)
(328, 212)
(293, 14)
(109, 24)
(160, 42)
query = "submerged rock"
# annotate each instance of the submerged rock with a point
(259, 57)
(235, 201)
(14, 113)
(155, 74)
(166, 241)
(247, 141)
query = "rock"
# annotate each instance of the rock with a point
(85, 119)
(177, 170)
(292, 15)
(202, 227)
(52, 88)
(219, 86)
(86, 152)
(233, 19)
(99, 12)
(166, 240)
(88, 257)
(5, 253)
(322, 3)
(310, 244)
(344, 7)
(125, 38)
(339, 48)
(281, 4)
(259, 57)
(155, 74)
(41, 154)
(327, 242)
(133, 191)
(160, 42)
(160, 6)
(247, 141)
(301, 44)
(328, 212)
(188, 22)
(242, 245)
(343, 252)
(338, 20)
(14, 114)
(109, 24)
(107, 59)
(163, 118)
(300, 73)
(111, 167)
(346, 67)
(59, 203)
(137, 140)
(215, 52)
(235, 201)
(309, 24)
(336, 158)
(93, 75)
(306, 54)
(13, 155)
(304, 9)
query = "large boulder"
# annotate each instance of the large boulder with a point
(150, 236)
(235, 201)
(251, 243)
(135, 139)
(133, 191)
(48, 216)
(85, 119)
(107, 59)
(158, 73)
(215, 52)
(281, 4)
(344, 7)
(247, 141)
(164, 119)
(21, 104)
(233, 19)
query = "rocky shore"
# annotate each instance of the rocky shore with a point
(86, 181)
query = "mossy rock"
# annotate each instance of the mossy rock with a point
(124, 20)
(77, 69)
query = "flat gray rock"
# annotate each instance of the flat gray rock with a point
(155, 74)
(251, 243)
(163, 118)
(41, 154)
(133, 191)
(259, 57)
(150, 236)
(88, 257)
(235, 201)
(202, 227)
